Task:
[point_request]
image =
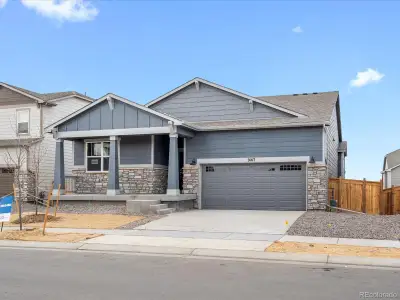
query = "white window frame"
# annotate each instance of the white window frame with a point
(101, 157)
(29, 120)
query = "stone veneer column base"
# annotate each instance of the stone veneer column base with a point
(131, 181)
(317, 187)
(191, 181)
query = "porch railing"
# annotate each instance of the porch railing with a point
(69, 184)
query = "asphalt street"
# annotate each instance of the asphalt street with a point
(44, 274)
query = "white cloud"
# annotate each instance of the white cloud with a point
(297, 29)
(63, 10)
(366, 77)
(3, 3)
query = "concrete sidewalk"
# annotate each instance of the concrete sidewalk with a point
(322, 259)
(119, 237)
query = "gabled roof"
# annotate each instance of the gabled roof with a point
(316, 106)
(391, 160)
(46, 97)
(220, 87)
(317, 109)
(124, 100)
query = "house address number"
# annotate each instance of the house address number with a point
(251, 159)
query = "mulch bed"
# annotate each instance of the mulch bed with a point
(29, 219)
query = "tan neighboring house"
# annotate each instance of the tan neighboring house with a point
(391, 169)
(23, 116)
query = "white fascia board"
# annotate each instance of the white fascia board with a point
(389, 170)
(220, 87)
(111, 132)
(22, 93)
(142, 107)
(253, 160)
(79, 111)
(69, 97)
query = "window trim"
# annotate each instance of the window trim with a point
(29, 120)
(101, 157)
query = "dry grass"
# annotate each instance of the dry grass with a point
(89, 221)
(36, 235)
(345, 250)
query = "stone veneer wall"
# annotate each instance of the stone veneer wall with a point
(27, 187)
(190, 182)
(131, 181)
(317, 185)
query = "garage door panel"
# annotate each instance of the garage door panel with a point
(254, 186)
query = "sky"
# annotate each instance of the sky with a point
(143, 49)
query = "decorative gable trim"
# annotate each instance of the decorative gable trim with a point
(197, 80)
(21, 92)
(115, 97)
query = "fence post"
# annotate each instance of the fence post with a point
(364, 197)
(391, 201)
(340, 186)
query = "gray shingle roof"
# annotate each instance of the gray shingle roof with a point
(317, 108)
(49, 96)
(392, 159)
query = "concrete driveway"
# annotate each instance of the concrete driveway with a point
(232, 221)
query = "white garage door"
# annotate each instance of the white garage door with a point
(254, 186)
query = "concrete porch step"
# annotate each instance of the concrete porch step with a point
(155, 207)
(165, 211)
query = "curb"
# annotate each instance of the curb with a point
(324, 259)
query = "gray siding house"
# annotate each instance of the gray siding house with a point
(391, 169)
(228, 149)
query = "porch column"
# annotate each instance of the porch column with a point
(173, 166)
(113, 168)
(59, 175)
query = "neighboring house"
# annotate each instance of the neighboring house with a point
(232, 150)
(391, 169)
(23, 116)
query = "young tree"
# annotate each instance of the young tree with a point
(37, 155)
(16, 158)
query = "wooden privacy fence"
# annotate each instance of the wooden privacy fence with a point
(364, 196)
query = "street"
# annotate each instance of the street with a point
(42, 274)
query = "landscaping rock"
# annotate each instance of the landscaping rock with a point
(347, 225)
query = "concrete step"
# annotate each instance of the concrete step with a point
(140, 206)
(155, 207)
(165, 211)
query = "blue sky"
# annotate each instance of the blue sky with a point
(140, 50)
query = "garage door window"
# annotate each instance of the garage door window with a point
(290, 167)
(209, 169)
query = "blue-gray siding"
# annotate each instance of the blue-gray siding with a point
(122, 116)
(256, 143)
(161, 146)
(79, 153)
(211, 104)
(133, 150)
(332, 144)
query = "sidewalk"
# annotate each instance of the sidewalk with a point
(213, 244)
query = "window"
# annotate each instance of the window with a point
(23, 121)
(290, 167)
(209, 169)
(97, 156)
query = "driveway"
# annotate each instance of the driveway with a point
(227, 221)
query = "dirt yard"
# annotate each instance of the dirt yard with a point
(36, 235)
(333, 249)
(88, 221)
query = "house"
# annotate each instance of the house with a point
(23, 116)
(391, 169)
(229, 149)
